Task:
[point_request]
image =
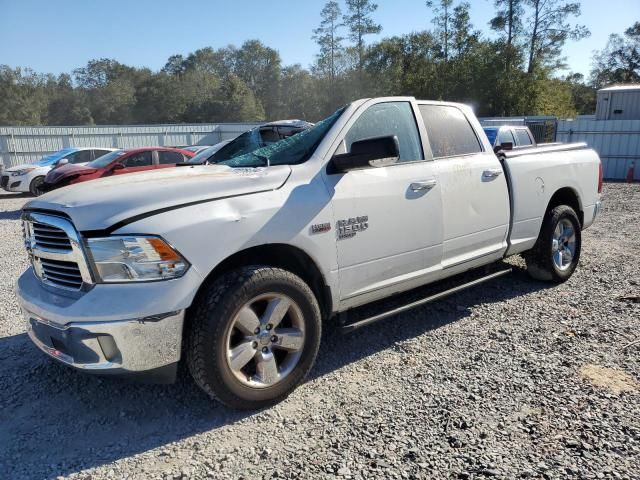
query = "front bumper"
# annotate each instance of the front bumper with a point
(123, 329)
(14, 184)
(140, 347)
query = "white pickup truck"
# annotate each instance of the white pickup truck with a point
(235, 266)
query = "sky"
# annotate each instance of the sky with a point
(56, 36)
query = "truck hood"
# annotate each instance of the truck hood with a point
(103, 203)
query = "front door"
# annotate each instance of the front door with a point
(136, 162)
(388, 219)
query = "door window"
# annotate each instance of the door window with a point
(99, 153)
(506, 136)
(142, 159)
(83, 156)
(166, 158)
(450, 133)
(384, 119)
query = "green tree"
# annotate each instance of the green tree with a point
(549, 30)
(329, 40)
(260, 68)
(619, 61)
(358, 20)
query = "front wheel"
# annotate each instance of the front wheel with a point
(253, 336)
(556, 254)
(35, 188)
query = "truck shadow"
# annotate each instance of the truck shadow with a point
(11, 215)
(56, 421)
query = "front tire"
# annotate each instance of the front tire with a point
(35, 186)
(556, 253)
(253, 336)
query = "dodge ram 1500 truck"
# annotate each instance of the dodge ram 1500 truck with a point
(235, 266)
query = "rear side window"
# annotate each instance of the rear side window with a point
(506, 136)
(142, 159)
(523, 137)
(384, 119)
(166, 158)
(450, 133)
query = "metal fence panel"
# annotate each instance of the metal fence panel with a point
(616, 141)
(20, 145)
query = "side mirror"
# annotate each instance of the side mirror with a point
(504, 146)
(117, 166)
(61, 162)
(370, 152)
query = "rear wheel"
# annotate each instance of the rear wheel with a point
(253, 337)
(35, 186)
(556, 254)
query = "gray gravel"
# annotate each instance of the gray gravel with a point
(515, 379)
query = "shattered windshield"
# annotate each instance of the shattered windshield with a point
(292, 150)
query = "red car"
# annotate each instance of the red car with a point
(118, 162)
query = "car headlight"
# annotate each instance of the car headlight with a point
(135, 259)
(24, 171)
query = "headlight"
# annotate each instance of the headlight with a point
(17, 173)
(135, 259)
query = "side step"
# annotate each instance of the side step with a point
(350, 327)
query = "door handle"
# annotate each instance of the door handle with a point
(492, 173)
(422, 185)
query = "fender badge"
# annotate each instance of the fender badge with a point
(321, 227)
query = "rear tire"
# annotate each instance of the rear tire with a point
(556, 253)
(253, 336)
(34, 186)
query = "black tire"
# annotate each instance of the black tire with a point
(540, 263)
(34, 186)
(210, 319)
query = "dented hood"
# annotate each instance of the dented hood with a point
(102, 203)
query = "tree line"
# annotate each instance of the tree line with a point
(513, 71)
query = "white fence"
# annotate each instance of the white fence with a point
(616, 141)
(28, 144)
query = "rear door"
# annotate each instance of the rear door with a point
(388, 220)
(475, 199)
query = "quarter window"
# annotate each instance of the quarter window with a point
(450, 133)
(385, 119)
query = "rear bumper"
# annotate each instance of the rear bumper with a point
(591, 213)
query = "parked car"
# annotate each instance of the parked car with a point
(515, 136)
(237, 269)
(28, 178)
(251, 140)
(118, 162)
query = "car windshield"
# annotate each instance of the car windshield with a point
(105, 160)
(204, 155)
(289, 151)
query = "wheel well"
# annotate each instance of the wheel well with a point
(567, 196)
(282, 256)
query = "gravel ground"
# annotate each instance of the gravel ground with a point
(514, 379)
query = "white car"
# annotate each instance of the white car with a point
(28, 178)
(238, 268)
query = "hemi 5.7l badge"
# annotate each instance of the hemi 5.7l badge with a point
(349, 227)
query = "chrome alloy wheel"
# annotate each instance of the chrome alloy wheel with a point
(564, 244)
(264, 343)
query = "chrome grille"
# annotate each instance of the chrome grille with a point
(47, 236)
(55, 251)
(66, 274)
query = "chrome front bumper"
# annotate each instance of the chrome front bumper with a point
(115, 347)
